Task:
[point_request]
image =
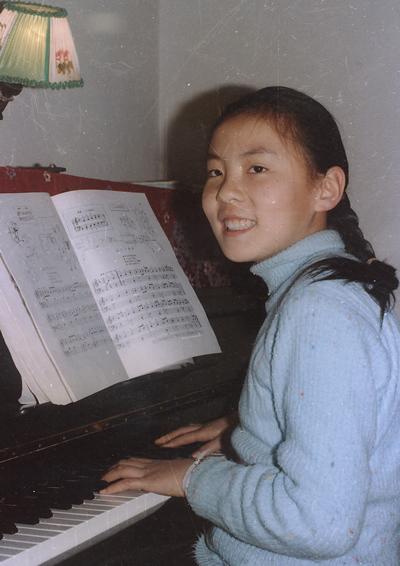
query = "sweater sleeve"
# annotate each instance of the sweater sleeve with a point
(310, 503)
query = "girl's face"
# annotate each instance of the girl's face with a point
(259, 196)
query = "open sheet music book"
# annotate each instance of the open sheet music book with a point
(91, 293)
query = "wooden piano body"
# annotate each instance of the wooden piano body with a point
(49, 449)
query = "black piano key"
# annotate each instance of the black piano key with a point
(55, 503)
(100, 484)
(19, 515)
(57, 489)
(30, 502)
(83, 487)
(95, 470)
(7, 526)
(91, 483)
(75, 497)
(53, 500)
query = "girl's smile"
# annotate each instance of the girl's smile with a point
(259, 196)
(237, 225)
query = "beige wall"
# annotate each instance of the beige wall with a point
(345, 53)
(109, 128)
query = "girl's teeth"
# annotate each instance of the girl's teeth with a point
(239, 224)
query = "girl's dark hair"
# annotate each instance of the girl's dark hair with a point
(314, 131)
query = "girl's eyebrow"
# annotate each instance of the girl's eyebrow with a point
(258, 151)
(255, 151)
(212, 155)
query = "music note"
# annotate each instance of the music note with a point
(144, 303)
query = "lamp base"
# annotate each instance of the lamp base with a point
(7, 93)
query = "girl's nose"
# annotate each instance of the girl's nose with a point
(230, 190)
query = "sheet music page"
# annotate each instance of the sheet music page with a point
(40, 378)
(36, 251)
(147, 303)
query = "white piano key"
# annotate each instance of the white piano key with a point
(66, 519)
(54, 524)
(83, 529)
(82, 510)
(46, 533)
(6, 551)
(97, 507)
(15, 544)
(26, 538)
(117, 496)
(81, 516)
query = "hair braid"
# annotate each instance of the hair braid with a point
(343, 219)
(377, 277)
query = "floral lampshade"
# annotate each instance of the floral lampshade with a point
(36, 47)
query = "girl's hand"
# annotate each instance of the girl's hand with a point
(158, 476)
(211, 433)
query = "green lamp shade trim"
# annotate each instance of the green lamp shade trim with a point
(34, 9)
(41, 84)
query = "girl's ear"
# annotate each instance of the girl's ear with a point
(330, 189)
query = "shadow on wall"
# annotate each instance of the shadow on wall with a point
(189, 132)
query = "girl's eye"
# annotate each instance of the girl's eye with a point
(214, 173)
(258, 169)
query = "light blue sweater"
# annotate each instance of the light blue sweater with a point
(319, 433)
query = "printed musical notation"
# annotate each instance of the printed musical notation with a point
(142, 218)
(161, 307)
(96, 227)
(14, 232)
(79, 327)
(145, 303)
(122, 278)
(54, 243)
(65, 318)
(89, 221)
(24, 213)
(42, 245)
(135, 221)
(159, 330)
(81, 342)
(61, 295)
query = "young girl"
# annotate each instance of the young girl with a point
(316, 479)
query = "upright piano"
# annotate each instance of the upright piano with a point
(52, 457)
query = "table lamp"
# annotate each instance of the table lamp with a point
(36, 49)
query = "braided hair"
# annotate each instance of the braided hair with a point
(313, 129)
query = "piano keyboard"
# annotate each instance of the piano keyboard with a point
(68, 531)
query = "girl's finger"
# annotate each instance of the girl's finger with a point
(131, 462)
(122, 485)
(198, 435)
(208, 448)
(134, 461)
(166, 438)
(119, 472)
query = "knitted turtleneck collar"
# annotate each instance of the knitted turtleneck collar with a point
(282, 266)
